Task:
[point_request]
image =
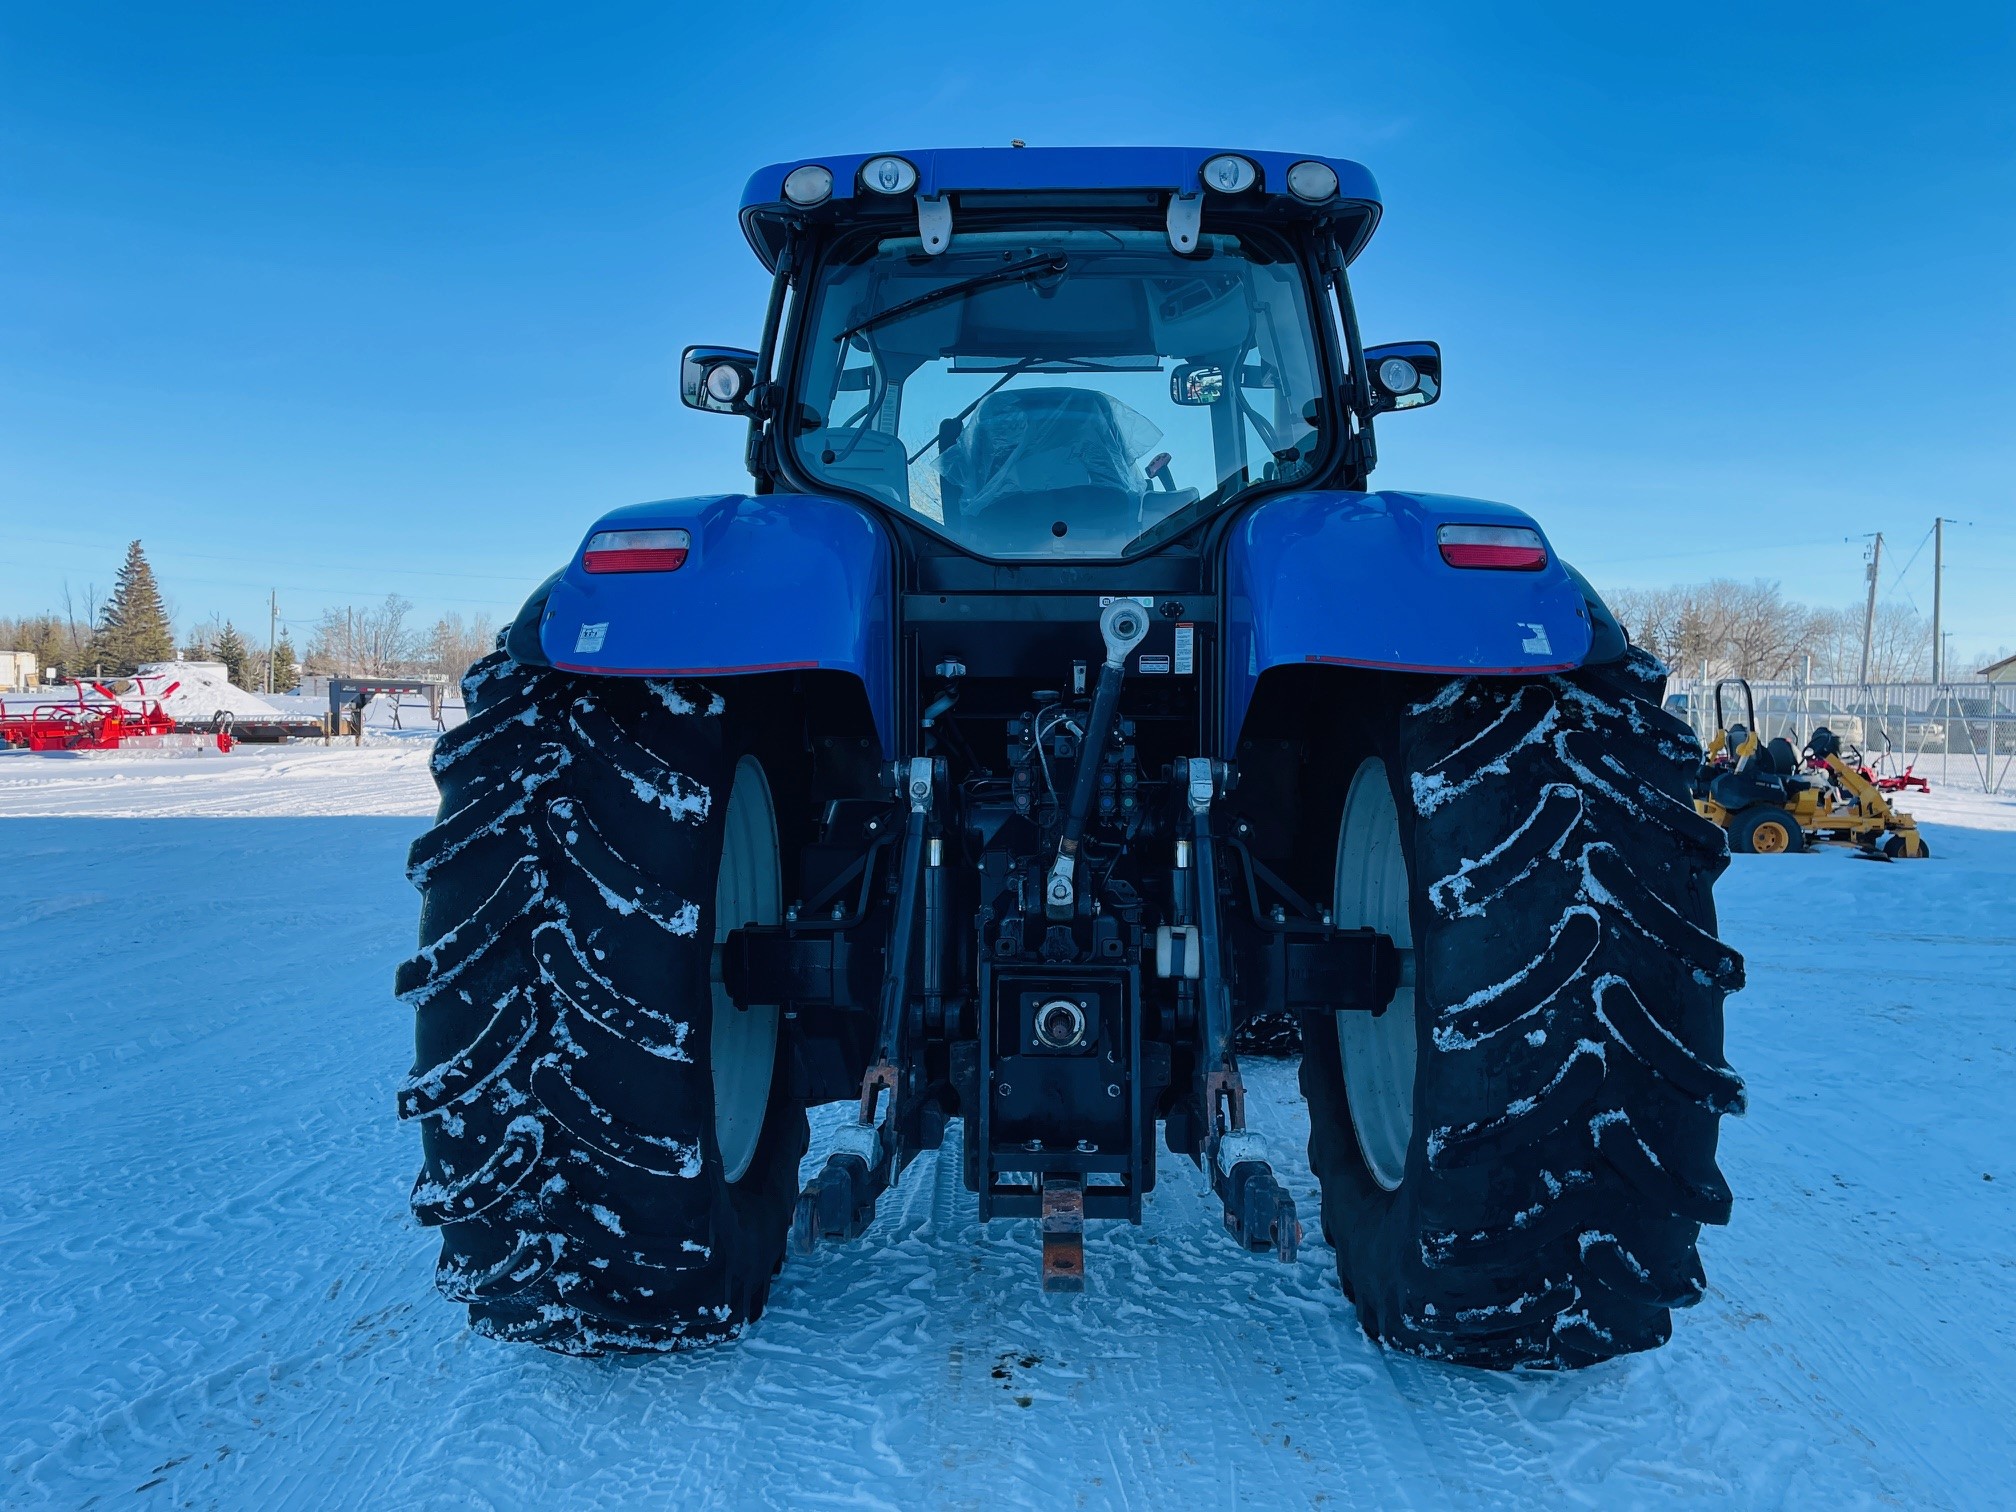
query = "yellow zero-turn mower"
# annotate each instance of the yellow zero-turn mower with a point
(1771, 801)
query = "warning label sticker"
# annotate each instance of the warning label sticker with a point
(1155, 664)
(1186, 650)
(591, 637)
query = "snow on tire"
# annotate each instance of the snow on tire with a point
(1528, 1187)
(564, 1010)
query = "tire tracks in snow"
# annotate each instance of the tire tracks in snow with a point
(202, 1200)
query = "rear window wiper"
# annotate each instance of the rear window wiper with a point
(1028, 267)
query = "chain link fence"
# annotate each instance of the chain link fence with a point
(1956, 733)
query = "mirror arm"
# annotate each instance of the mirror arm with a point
(762, 397)
(1364, 447)
(1360, 385)
(773, 316)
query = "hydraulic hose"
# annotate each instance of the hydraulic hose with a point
(1123, 626)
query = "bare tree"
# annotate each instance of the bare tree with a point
(1764, 633)
(1741, 629)
(1651, 616)
(80, 626)
(1836, 645)
(1900, 650)
(454, 643)
(368, 642)
(200, 643)
(1982, 659)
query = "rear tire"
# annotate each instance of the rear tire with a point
(1765, 832)
(579, 1072)
(1517, 1157)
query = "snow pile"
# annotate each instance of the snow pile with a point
(204, 690)
(295, 706)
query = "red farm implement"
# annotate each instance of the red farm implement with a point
(1897, 782)
(102, 723)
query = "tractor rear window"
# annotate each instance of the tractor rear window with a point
(1044, 394)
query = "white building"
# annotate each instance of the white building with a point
(19, 671)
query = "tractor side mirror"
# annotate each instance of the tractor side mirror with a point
(1404, 374)
(1195, 384)
(718, 379)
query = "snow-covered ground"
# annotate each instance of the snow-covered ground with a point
(213, 1293)
(388, 775)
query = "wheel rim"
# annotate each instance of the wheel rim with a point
(1769, 839)
(1371, 892)
(742, 1049)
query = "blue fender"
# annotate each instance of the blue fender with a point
(776, 583)
(1357, 580)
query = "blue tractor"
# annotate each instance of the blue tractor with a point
(1057, 704)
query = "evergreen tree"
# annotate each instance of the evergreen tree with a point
(134, 628)
(285, 678)
(230, 649)
(50, 652)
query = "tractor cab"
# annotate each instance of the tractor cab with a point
(1047, 356)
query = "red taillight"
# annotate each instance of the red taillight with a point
(1508, 548)
(636, 551)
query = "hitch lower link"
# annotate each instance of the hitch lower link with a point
(839, 1203)
(1259, 1212)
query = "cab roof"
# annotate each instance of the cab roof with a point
(1079, 175)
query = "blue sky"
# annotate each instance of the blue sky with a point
(364, 298)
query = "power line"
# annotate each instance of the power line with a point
(1774, 548)
(169, 553)
(1914, 557)
(352, 593)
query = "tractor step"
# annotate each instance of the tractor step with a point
(1063, 1234)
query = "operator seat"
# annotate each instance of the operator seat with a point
(1030, 459)
(1767, 777)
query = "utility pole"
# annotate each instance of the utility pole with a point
(1869, 610)
(1938, 586)
(272, 633)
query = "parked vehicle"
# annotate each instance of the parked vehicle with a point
(1057, 699)
(1773, 798)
